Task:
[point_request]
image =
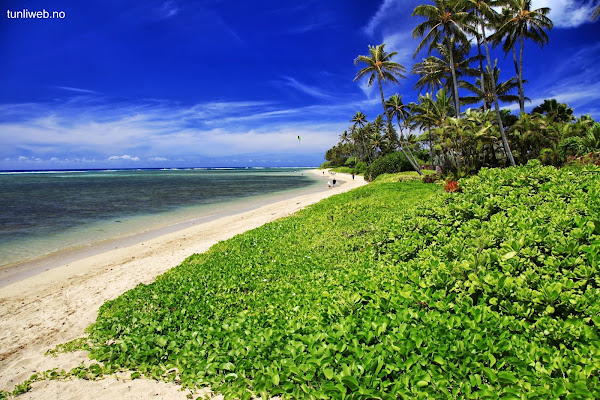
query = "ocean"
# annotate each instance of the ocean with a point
(44, 212)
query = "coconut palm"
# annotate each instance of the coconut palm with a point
(345, 138)
(559, 112)
(480, 10)
(380, 67)
(433, 112)
(395, 107)
(484, 14)
(359, 120)
(483, 134)
(437, 71)
(419, 117)
(520, 22)
(503, 89)
(431, 77)
(445, 19)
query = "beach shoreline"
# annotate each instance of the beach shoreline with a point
(56, 305)
(18, 271)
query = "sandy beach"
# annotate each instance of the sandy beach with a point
(55, 306)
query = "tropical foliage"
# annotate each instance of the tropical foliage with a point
(463, 141)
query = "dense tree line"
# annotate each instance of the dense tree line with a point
(455, 34)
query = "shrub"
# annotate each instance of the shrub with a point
(588, 159)
(343, 170)
(431, 178)
(350, 162)
(360, 167)
(452, 186)
(389, 164)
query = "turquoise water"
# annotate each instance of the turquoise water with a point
(46, 212)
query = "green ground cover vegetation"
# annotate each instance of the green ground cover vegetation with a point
(392, 290)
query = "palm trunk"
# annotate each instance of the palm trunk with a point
(496, 106)
(412, 162)
(516, 63)
(521, 91)
(387, 115)
(454, 81)
(430, 146)
(414, 159)
(485, 107)
(430, 138)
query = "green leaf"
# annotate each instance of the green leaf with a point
(507, 377)
(231, 376)
(350, 382)
(275, 379)
(227, 366)
(439, 360)
(328, 372)
(509, 255)
(490, 374)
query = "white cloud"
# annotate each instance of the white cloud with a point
(124, 157)
(84, 132)
(382, 13)
(369, 91)
(78, 90)
(404, 45)
(310, 90)
(567, 13)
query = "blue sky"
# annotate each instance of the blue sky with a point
(174, 83)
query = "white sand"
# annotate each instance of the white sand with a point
(56, 306)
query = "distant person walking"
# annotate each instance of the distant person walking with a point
(352, 176)
(334, 181)
(329, 184)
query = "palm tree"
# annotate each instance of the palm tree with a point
(486, 95)
(395, 106)
(484, 134)
(433, 111)
(420, 118)
(520, 22)
(480, 8)
(559, 112)
(345, 138)
(379, 65)
(484, 13)
(376, 141)
(444, 19)
(431, 76)
(359, 119)
(437, 71)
